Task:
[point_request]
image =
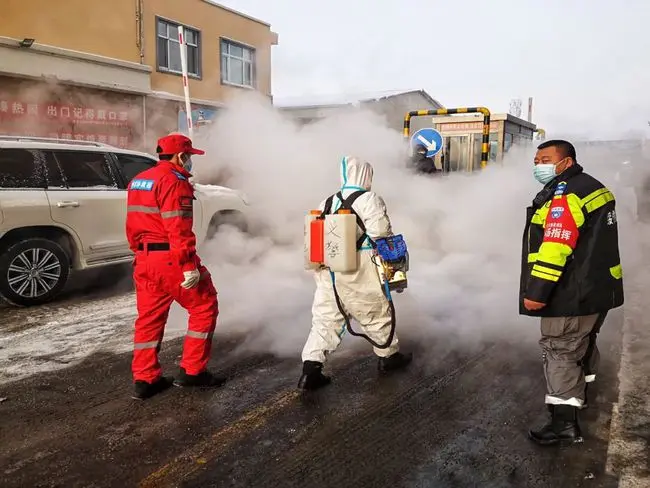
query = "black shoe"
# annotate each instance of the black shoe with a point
(143, 390)
(312, 376)
(562, 429)
(204, 379)
(394, 362)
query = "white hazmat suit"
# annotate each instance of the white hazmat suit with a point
(360, 291)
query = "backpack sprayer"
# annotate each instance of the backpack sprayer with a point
(331, 242)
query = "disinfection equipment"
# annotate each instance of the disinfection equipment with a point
(331, 241)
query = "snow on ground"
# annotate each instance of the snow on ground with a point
(54, 336)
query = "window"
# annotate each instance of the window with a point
(52, 171)
(237, 64)
(19, 169)
(130, 165)
(169, 49)
(84, 169)
(507, 142)
(494, 145)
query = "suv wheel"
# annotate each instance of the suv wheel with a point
(232, 218)
(33, 271)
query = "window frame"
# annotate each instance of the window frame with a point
(123, 184)
(168, 71)
(253, 62)
(67, 187)
(39, 166)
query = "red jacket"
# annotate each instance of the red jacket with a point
(159, 209)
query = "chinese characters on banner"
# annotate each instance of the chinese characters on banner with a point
(110, 125)
(463, 126)
(555, 230)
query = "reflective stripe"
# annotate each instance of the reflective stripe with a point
(176, 213)
(616, 271)
(197, 335)
(145, 345)
(575, 207)
(554, 253)
(591, 202)
(574, 402)
(590, 378)
(532, 257)
(592, 195)
(537, 218)
(142, 208)
(544, 269)
(597, 199)
(544, 276)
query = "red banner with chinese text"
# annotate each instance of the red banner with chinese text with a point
(108, 124)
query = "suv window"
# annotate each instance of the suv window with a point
(52, 171)
(83, 169)
(19, 169)
(131, 165)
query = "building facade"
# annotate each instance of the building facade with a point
(393, 105)
(110, 71)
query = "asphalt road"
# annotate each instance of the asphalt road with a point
(457, 418)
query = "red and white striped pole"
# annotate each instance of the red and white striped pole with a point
(186, 84)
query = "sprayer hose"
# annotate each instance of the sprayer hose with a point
(393, 320)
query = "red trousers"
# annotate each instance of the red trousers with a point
(157, 284)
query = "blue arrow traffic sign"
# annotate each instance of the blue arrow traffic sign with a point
(429, 138)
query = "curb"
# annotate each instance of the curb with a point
(628, 454)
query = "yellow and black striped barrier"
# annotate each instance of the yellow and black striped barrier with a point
(485, 146)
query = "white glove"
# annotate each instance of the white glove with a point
(191, 279)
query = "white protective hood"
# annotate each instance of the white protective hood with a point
(356, 174)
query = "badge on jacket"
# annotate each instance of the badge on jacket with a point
(186, 203)
(146, 185)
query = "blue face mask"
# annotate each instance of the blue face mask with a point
(187, 165)
(544, 172)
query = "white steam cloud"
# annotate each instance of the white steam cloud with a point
(464, 231)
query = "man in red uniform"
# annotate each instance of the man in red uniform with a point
(166, 268)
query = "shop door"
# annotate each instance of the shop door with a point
(477, 145)
(457, 155)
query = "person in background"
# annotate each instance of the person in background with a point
(166, 269)
(421, 163)
(360, 291)
(571, 277)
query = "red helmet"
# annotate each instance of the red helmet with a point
(176, 143)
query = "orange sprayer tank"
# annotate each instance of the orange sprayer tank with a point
(310, 237)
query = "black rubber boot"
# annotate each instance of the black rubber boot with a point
(312, 376)
(204, 379)
(394, 362)
(143, 390)
(562, 429)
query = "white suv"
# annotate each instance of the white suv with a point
(63, 207)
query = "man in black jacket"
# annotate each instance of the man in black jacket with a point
(421, 163)
(571, 277)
